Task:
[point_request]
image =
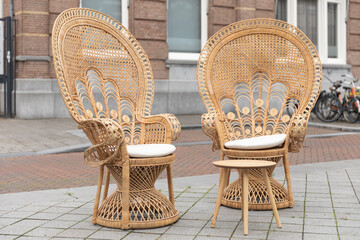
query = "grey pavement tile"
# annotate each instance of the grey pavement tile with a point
(142, 236)
(195, 195)
(18, 214)
(73, 217)
(110, 235)
(349, 231)
(320, 222)
(348, 216)
(291, 220)
(73, 204)
(58, 209)
(348, 223)
(197, 216)
(44, 232)
(21, 227)
(33, 238)
(59, 224)
(159, 230)
(190, 223)
(183, 231)
(289, 213)
(33, 208)
(211, 237)
(318, 209)
(81, 233)
(318, 215)
(8, 221)
(287, 227)
(7, 237)
(310, 236)
(276, 235)
(176, 237)
(256, 225)
(320, 229)
(45, 216)
(216, 232)
(82, 210)
(223, 224)
(86, 225)
(253, 234)
(183, 204)
(186, 199)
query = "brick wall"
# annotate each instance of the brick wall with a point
(147, 21)
(225, 12)
(353, 37)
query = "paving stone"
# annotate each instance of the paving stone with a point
(159, 230)
(210, 237)
(44, 232)
(21, 227)
(318, 215)
(223, 224)
(309, 236)
(7, 237)
(86, 225)
(137, 236)
(216, 232)
(183, 231)
(42, 215)
(320, 222)
(287, 227)
(18, 214)
(72, 217)
(81, 233)
(59, 224)
(33, 238)
(319, 229)
(284, 235)
(58, 209)
(82, 210)
(348, 223)
(176, 237)
(7, 221)
(33, 208)
(253, 234)
(190, 223)
(197, 216)
(349, 230)
(110, 235)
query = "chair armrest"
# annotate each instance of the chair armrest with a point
(171, 123)
(106, 136)
(297, 132)
(208, 127)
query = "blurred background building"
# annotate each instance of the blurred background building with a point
(172, 32)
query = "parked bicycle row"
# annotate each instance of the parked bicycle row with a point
(334, 104)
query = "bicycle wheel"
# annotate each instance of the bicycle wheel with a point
(351, 112)
(328, 108)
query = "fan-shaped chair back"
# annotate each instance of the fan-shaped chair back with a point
(102, 70)
(255, 75)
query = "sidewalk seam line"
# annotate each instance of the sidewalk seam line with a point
(352, 185)
(332, 204)
(304, 216)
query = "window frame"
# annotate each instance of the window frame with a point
(183, 56)
(323, 31)
(124, 12)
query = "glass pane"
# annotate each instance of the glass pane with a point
(281, 10)
(307, 14)
(184, 26)
(332, 30)
(109, 7)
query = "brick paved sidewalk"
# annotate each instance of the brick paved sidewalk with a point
(69, 170)
(327, 206)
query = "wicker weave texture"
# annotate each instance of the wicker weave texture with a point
(106, 81)
(258, 77)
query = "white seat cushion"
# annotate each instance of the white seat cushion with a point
(150, 150)
(262, 142)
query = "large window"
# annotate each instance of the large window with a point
(186, 28)
(117, 9)
(323, 21)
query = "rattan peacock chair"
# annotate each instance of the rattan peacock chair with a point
(259, 80)
(106, 81)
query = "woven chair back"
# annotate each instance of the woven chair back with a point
(256, 74)
(102, 70)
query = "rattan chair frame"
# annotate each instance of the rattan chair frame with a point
(106, 81)
(240, 65)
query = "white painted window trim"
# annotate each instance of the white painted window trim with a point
(204, 36)
(124, 12)
(323, 31)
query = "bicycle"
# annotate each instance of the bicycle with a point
(330, 106)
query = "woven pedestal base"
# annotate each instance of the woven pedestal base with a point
(258, 197)
(148, 209)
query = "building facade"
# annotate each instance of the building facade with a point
(172, 33)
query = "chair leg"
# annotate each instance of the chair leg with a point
(106, 185)
(219, 197)
(228, 178)
(125, 192)
(98, 193)
(272, 200)
(288, 180)
(170, 184)
(245, 204)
